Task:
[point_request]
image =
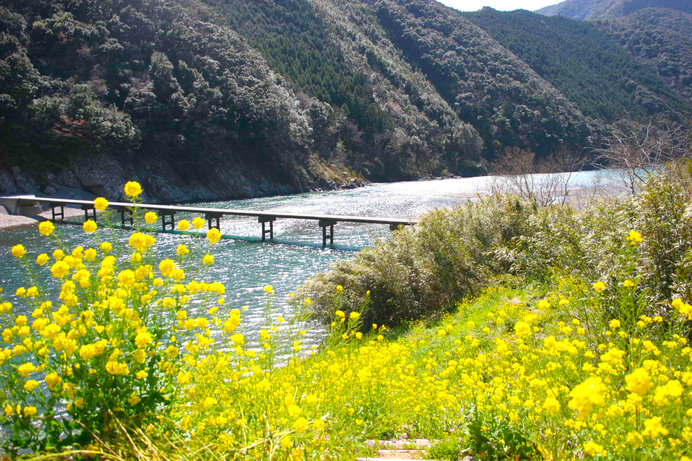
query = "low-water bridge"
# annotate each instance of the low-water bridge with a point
(212, 215)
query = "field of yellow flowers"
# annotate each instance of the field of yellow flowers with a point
(132, 355)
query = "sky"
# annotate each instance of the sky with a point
(502, 5)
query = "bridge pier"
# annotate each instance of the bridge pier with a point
(126, 214)
(324, 223)
(167, 219)
(89, 210)
(211, 217)
(264, 220)
(57, 214)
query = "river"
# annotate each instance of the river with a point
(246, 264)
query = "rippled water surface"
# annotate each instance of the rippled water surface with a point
(245, 264)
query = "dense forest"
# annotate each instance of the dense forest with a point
(228, 98)
(659, 37)
(600, 77)
(598, 9)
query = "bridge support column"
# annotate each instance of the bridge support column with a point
(264, 220)
(126, 215)
(211, 217)
(167, 219)
(324, 223)
(58, 214)
(89, 212)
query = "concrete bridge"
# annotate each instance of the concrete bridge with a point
(29, 204)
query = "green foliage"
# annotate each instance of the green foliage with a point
(232, 98)
(452, 254)
(488, 87)
(389, 122)
(660, 37)
(417, 272)
(449, 449)
(601, 78)
(493, 438)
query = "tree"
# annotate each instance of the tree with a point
(544, 181)
(638, 151)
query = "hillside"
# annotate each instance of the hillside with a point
(212, 99)
(603, 79)
(660, 37)
(597, 9)
(93, 93)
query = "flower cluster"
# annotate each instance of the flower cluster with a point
(110, 342)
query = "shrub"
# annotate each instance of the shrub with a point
(454, 253)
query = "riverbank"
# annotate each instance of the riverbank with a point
(563, 338)
(8, 221)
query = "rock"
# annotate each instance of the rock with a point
(7, 184)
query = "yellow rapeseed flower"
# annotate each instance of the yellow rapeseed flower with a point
(60, 269)
(208, 259)
(198, 222)
(89, 226)
(639, 381)
(26, 369)
(18, 251)
(46, 228)
(167, 267)
(31, 384)
(183, 225)
(238, 339)
(551, 405)
(591, 448)
(53, 380)
(100, 203)
(42, 259)
(586, 395)
(634, 237)
(653, 428)
(213, 235)
(599, 286)
(143, 338)
(150, 217)
(132, 189)
(522, 329)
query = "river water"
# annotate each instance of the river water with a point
(245, 264)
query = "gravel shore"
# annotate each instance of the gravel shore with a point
(8, 220)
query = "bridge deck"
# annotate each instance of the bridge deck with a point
(264, 217)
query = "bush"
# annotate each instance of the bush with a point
(425, 270)
(452, 254)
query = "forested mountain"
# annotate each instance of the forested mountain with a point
(230, 98)
(599, 76)
(659, 37)
(597, 9)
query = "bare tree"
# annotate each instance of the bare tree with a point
(638, 151)
(545, 181)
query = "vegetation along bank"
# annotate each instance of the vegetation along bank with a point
(499, 328)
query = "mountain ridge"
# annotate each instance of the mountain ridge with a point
(599, 9)
(204, 100)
